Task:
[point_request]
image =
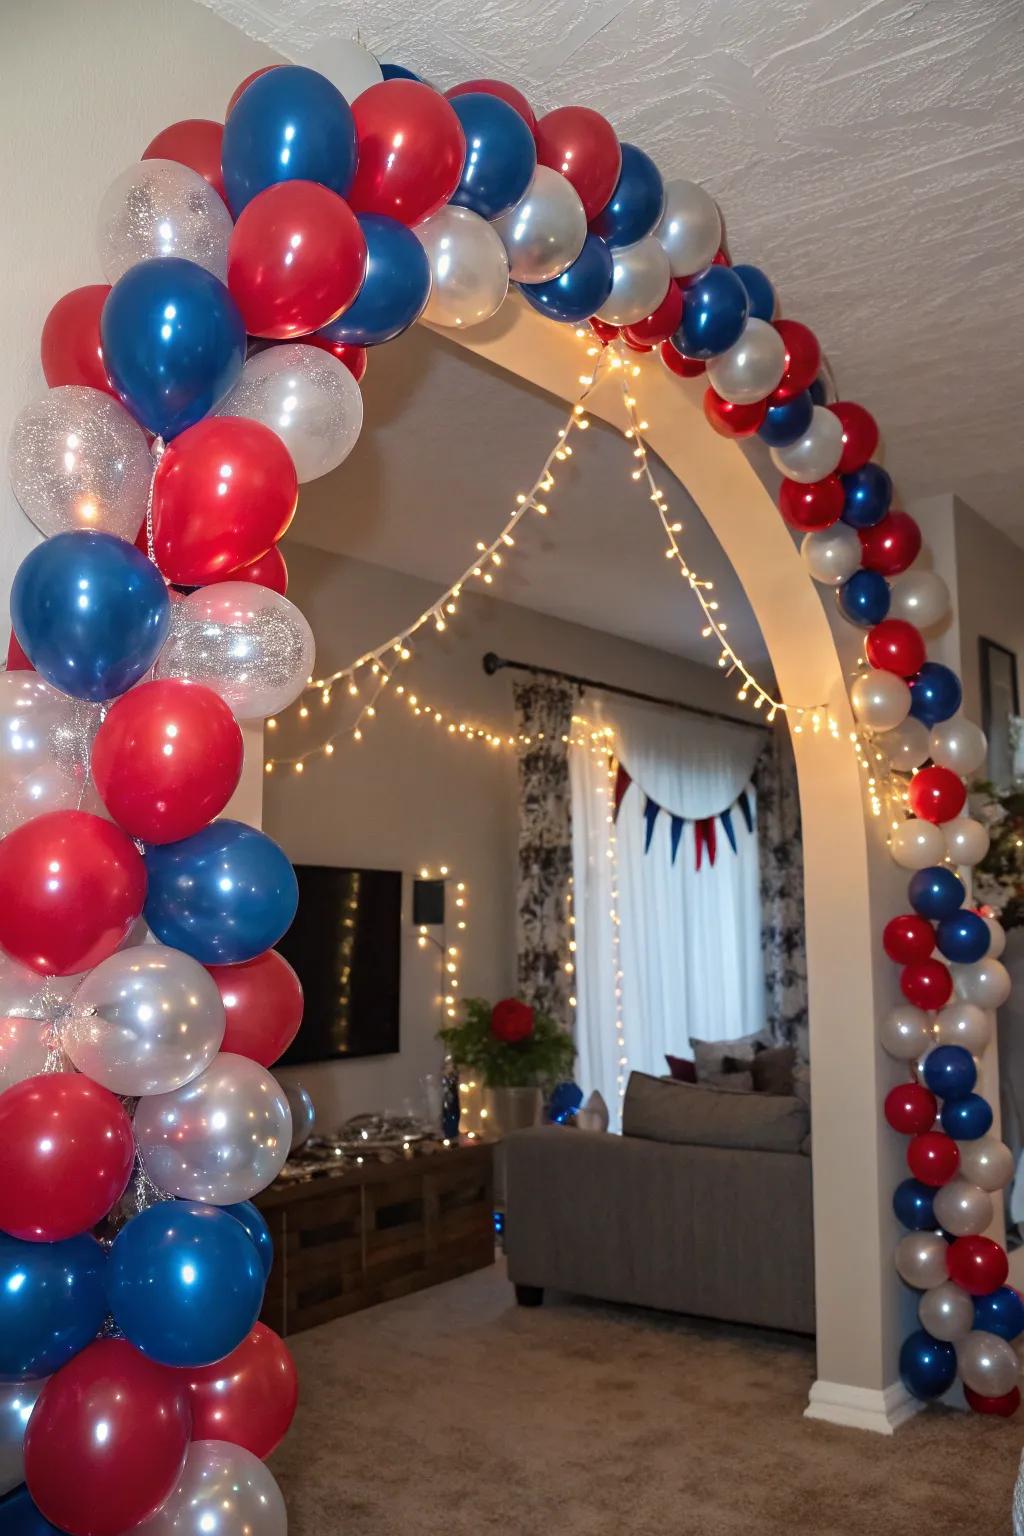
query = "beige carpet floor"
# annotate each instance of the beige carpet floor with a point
(456, 1413)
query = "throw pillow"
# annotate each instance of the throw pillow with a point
(709, 1055)
(734, 1080)
(772, 1070)
(683, 1071)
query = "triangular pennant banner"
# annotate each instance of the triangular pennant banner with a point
(744, 804)
(650, 817)
(698, 843)
(622, 783)
(677, 831)
(710, 837)
(729, 829)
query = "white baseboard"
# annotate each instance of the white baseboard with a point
(862, 1407)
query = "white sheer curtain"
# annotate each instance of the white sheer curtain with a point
(685, 956)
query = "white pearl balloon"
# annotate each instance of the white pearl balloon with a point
(947, 1312)
(880, 699)
(832, 555)
(920, 1260)
(545, 231)
(963, 1024)
(986, 983)
(307, 397)
(987, 1162)
(640, 279)
(817, 453)
(161, 208)
(468, 267)
(222, 1490)
(905, 1032)
(17, 1400)
(690, 229)
(987, 1364)
(958, 744)
(966, 840)
(349, 66)
(997, 943)
(963, 1208)
(920, 597)
(750, 369)
(917, 844)
(906, 746)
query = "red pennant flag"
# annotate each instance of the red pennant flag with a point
(704, 833)
(17, 661)
(622, 783)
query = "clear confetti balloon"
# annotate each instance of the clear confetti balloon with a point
(690, 229)
(818, 452)
(545, 231)
(946, 1312)
(987, 1364)
(468, 267)
(752, 367)
(17, 1399)
(221, 1138)
(640, 279)
(78, 460)
(30, 1008)
(145, 1021)
(223, 1490)
(45, 738)
(247, 643)
(308, 398)
(161, 208)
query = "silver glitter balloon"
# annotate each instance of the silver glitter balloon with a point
(17, 1399)
(161, 208)
(468, 267)
(221, 1138)
(223, 1490)
(247, 643)
(962, 1207)
(78, 460)
(946, 1312)
(817, 453)
(545, 231)
(640, 279)
(987, 1364)
(308, 398)
(921, 1260)
(750, 369)
(690, 228)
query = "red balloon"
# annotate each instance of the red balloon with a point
(895, 646)
(675, 362)
(352, 356)
(71, 888)
(262, 1005)
(660, 325)
(812, 507)
(70, 346)
(926, 984)
(296, 259)
(167, 759)
(507, 93)
(907, 938)
(892, 545)
(411, 150)
(106, 1440)
(937, 794)
(730, 420)
(66, 1153)
(602, 330)
(911, 1109)
(17, 661)
(581, 144)
(933, 1157)
(977, 1264)
(803, 359)
(246, 83)
(860, 435)
(249, 1397)
(269, 570)
(637, 346)
(224, 492)
(194, 142)
(721, 258)
(1005, 1406)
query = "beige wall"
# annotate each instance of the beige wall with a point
(990, 595)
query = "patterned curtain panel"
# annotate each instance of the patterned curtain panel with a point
(544, 708)
(780, 849)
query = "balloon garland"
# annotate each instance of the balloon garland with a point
(247, 268)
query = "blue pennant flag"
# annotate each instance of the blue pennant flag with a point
(726, 820)
(650, 817)
(744, 805)
(678, 824)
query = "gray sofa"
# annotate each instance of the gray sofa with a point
(703, 1206)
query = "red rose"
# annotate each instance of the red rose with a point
(511, 1021)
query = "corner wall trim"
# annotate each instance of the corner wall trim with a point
(862, 1407)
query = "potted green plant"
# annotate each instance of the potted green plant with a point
(516, 1051)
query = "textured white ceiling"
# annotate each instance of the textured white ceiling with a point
(868, 153)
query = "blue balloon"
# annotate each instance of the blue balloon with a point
(914, 1205)
(787, 422)
(964, 937)
(968, 1118)
(1000, 1312)
(399, 72)
(867, 492)
(760, 292)
(565, 1100)
(223, 895)
(927, 1365)
(949, 1071)
(864, 598)
(818, 391)
(395, 289)
(580, 290)
(935, 892)
(91, 613)
(259, 1233)
(291, 124)
(185, 1282)
(20, 1517)
(52, 1303)
(935, 694)
(636, 204)
(173, 342)
(715, 310)
(501, 154)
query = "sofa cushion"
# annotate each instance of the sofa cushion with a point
(659, 1110)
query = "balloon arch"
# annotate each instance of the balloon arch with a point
(249, 266)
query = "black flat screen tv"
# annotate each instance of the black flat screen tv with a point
(345, 945)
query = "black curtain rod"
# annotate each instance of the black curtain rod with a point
(493, 663)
